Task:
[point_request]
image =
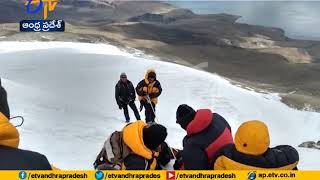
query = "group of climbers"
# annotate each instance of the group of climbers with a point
(148, 90)
(208, 144)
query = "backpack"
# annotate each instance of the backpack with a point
(112, 153)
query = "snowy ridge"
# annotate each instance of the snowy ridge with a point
(7, 47)
(65, 91)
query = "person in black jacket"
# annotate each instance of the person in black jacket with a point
(12, 158)
(4, 107)
(251, 151)
(207, 133)
(126, 95)
(149, 89)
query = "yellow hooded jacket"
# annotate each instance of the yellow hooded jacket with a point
(9, 135)
(251, 151)
(9, 142)
(152, 89)
(133, 138)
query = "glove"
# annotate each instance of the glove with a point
(141, 107)
(147, 97)
(152, 95)
(178, 164)
(130, 100)
(144, 93)
(120, 107)
(178, 153)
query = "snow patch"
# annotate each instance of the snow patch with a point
(65, 91)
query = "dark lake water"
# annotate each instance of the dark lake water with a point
(299, 19)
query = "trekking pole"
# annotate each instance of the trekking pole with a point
(154, 112)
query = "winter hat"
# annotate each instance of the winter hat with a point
(4, 107)
(123, 75)
(184, 115)
(252, 138)
(154, 135)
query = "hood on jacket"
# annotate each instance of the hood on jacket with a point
(133, 138)
(146, 75)
(252, 138)
(9, 135)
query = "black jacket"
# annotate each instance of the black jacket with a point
(17, 159)
(136, 162)
(124, 92)
(281, 157)
(4, 107)
(206, 135)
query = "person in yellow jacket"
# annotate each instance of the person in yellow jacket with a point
(149, 89)
(136, 147)
(144, 142)
(11, 157)
(251, 151)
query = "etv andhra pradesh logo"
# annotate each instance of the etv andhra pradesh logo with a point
(34, 7)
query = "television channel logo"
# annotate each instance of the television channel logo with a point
(43, 25)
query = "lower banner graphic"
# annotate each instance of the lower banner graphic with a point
(160, 175)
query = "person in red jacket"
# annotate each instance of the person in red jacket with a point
(207, 133)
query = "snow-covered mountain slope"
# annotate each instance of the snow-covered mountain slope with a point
(65, 91)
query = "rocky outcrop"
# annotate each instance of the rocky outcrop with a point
(310, 144)
(148, 17)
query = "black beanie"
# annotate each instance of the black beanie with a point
(4, 107)
(154, 135)
(185, 114)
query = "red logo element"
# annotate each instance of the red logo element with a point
(171, 175)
